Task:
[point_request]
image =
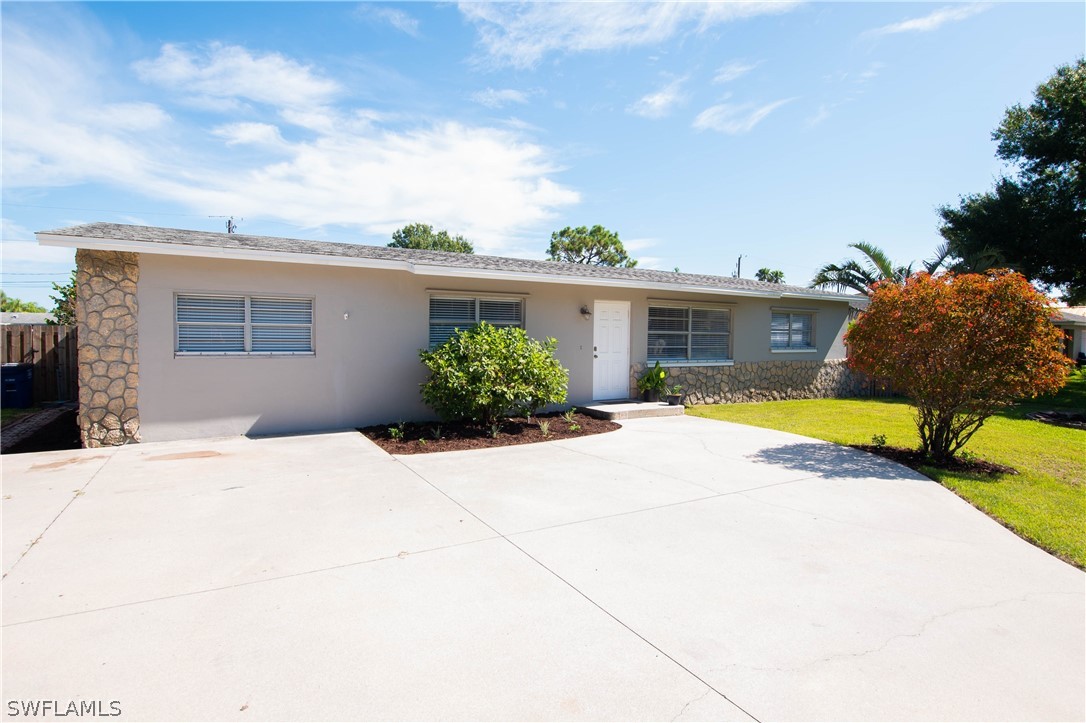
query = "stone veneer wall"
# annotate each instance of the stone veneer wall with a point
(762, 381)
(105, 311)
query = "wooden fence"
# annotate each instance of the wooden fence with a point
(52, 351)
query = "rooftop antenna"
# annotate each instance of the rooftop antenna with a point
(231, 227)
(738, 267)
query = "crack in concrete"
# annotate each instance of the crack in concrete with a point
(301, 573)
(580, 592)
(805, 476)
(656, 507)
(821, 516)
(634, 466)
(886, 643)
(76, 494)
(690, 703)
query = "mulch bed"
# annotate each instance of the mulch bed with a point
(915, 459)
(421, 437)
(1073, 420)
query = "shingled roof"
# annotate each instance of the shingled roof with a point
(169, 240)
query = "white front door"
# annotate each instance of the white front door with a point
(611, 350)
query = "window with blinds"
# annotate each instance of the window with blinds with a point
(243, 325)
(791, 330)
(689, 333)
(448, 314)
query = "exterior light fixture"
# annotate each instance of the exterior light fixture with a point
(585, 311)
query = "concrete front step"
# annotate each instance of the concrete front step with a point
(632, 410)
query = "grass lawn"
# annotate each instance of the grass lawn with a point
(1045, 503)
(10, 414)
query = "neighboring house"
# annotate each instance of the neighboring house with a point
(193, 334)
(9, 318)
(1072, 321)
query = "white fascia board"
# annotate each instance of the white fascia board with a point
(816, 297)
(149, 247)
(498, 275)
(145, 247)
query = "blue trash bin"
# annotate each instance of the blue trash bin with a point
(18, 385)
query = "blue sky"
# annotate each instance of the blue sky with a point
(779, 131)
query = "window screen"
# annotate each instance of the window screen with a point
(243, 324)
(449, 314)
(684, 333)
(791, 330)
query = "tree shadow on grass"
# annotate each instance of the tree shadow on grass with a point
(831, 460)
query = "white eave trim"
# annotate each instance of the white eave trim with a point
(171, 249)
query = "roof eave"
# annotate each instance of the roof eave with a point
(177, 249)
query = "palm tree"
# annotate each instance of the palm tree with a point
(772, 276)
(876, 267)
(862, 275)
(971, 263)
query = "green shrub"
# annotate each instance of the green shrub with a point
(654, 379)
(485, 373)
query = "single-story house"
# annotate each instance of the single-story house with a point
(28, 318)
(1072, 320)
(186, 334)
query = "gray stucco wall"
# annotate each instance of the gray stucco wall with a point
(365, 369)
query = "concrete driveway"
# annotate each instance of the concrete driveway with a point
(677, 569)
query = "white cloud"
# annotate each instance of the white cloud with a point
(230, 72)
(820, 115)
(639, 244)
(495, 98)
(396, 18)
(659, 103)
(382, 179)
(58, 129)
(932, 21)
(11, 231)
(734, 119)
(733, 70)
(353, 167)
(18, 248)
(130, 116)
(871, 72)
(258, 134)
(522, 34)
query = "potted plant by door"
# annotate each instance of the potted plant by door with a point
(674, 395)
(652, 383)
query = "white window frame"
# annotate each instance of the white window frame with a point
(690, 333)
(792, 348)
(476, 299)
(247, 325)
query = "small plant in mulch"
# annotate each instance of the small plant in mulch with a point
(964, 461)
(424, 437)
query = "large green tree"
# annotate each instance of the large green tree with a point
(595, 246)
(9, 303)
(422, 236)
(1034, 219)
(64, 302)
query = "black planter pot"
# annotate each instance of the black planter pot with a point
(674, 400)
(650, 395)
